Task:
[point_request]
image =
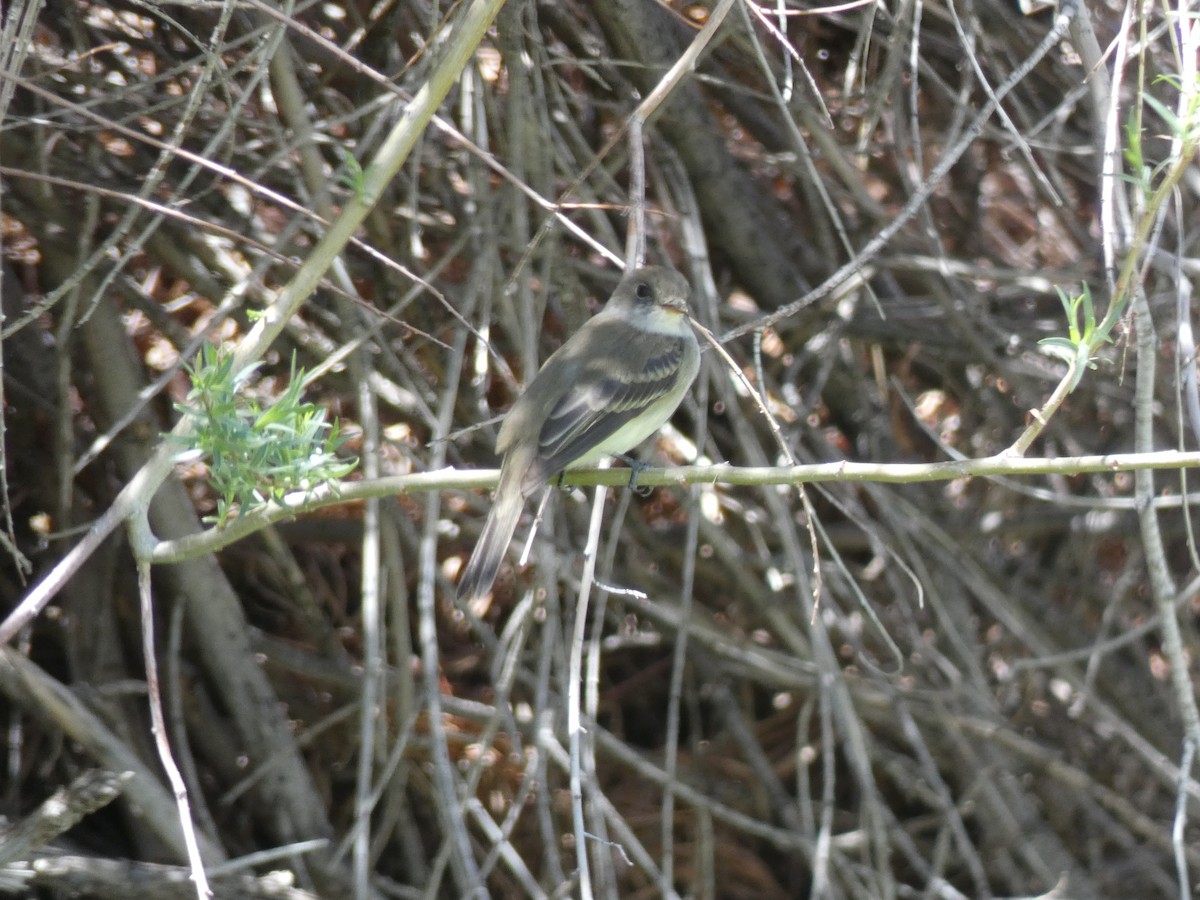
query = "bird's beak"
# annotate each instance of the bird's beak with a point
(676, 304)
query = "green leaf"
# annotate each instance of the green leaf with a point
(1166, 114)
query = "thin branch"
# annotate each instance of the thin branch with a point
(90, 791)
(195, 545)
(159, 729)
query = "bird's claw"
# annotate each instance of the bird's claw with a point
(636, 467)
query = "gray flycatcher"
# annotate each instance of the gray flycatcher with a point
(608, 388)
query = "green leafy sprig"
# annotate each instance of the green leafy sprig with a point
(257, 454)
(1085, 335)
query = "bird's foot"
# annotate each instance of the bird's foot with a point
(636, 467)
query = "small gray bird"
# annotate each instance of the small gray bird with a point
(608, 388)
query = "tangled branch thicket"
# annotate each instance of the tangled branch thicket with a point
(939, 690)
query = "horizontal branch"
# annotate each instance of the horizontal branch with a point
(333, 493)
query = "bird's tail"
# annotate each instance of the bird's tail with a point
(484, 564)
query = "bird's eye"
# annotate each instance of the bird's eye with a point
(643, 291)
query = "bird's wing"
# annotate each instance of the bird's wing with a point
(601, 401)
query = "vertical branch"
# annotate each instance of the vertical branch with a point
(159, 727)
(372, 637)
(1161, 584)
(635, 242)
(1183, 149)
(457, 842)
(679, 654)
(575, 744)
